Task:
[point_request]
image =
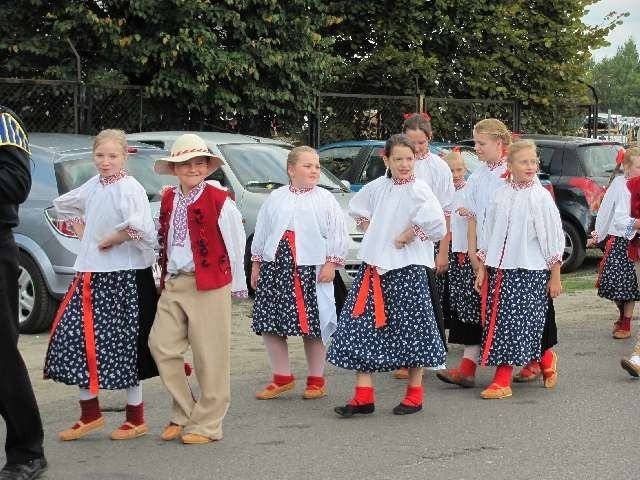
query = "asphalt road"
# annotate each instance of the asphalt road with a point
(585, 428)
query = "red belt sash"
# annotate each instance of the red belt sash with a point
(371, 275)
(290, 237)
(607, 252)
(89, 336)
(494, 312)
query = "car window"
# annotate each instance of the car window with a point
(338, 159)
(373, 168)
(545, 154)
(262, 165)
(598, 160)
(73, 172)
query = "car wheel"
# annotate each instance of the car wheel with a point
(36, 307)
(574, 249)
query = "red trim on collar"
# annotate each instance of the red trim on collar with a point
(522, 185)
(299, 190)
(499, 163)
(113, 178)
(404, 181)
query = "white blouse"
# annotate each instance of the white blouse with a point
(436, 173)
(459, 223)
(106, 206)
(481, 187)
(522, 229)
(180, 257)
(613, 215)
(391, 206)
(316, 218)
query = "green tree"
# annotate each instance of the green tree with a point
(255, 61)
(617, 80)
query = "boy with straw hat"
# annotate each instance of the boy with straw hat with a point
(202, 245)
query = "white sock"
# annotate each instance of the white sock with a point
(134, 395)
(85, 395)
(471, 352)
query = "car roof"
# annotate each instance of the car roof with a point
(220, 138)
(68, 143)
(353, 143)
(564, 139)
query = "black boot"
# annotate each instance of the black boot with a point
(401, 409)
(349, 411)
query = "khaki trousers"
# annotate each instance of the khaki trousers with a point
(187, 316)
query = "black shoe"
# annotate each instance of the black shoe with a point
(24, 471)
(401, 409)
(349, 411)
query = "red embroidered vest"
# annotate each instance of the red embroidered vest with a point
(213, 268)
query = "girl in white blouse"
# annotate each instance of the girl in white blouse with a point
(99, 336)
(299, 241)
(616, 277)
(520, 253)
(388, 320)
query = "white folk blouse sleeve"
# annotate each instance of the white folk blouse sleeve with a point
(622, 220)
(72, 205)
(261, 232)
(233, 235)
(337, 236)
(427, 216)
(548, 227)
(604, 217)
(361, 205)
(136, 216)
(489, 225)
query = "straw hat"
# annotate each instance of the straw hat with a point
(186, 147)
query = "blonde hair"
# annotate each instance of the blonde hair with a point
(110, 134)
(518, 146)
(495, 128)
(294, 154)
(453, 156)
(629, 155)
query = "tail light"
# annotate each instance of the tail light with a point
(58, 224)
(593, 192)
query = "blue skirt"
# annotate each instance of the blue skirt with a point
(114, 301)
(275, 310)
(618, 276)
(410, 338)
(462, 295)
(522, 310)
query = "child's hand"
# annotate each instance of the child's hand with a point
(363, 225)
(327, 272)
(481, 276)
(464, 212)
(255, 273)
(590, 243)
(442, 262)
(78, 228)
(113, 240)
(405, 238)
(554, 287)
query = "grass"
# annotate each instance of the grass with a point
(585, 277)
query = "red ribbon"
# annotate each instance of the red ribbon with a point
(620, 156)
(63, 305)
(89, 337)
(424, 115)
(494, 313)
(371, 273)
(290, 237)
(461, 258)
(607, 251)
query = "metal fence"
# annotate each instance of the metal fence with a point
(72, 107)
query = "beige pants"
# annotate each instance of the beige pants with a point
(187, 316)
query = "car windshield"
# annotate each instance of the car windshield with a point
(75, 171)
(598, 160)
(264, 165)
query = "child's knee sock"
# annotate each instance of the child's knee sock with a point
(134, 395)
(503, 375)
(363, 396)
(278, 352)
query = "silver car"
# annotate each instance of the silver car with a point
(254, 166)
(48, 249)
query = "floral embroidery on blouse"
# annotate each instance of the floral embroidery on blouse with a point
(421, 234)
(299, 190)
(361, 220)
(422, 156)
(113, 178)
(482, 255)
(404, 181)
(522, 185)
(337, 260)
(256, 258)
(553, 260)
(133, 233)
(629, 229)
(459, 184)
(180, 215)
(499, 163)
